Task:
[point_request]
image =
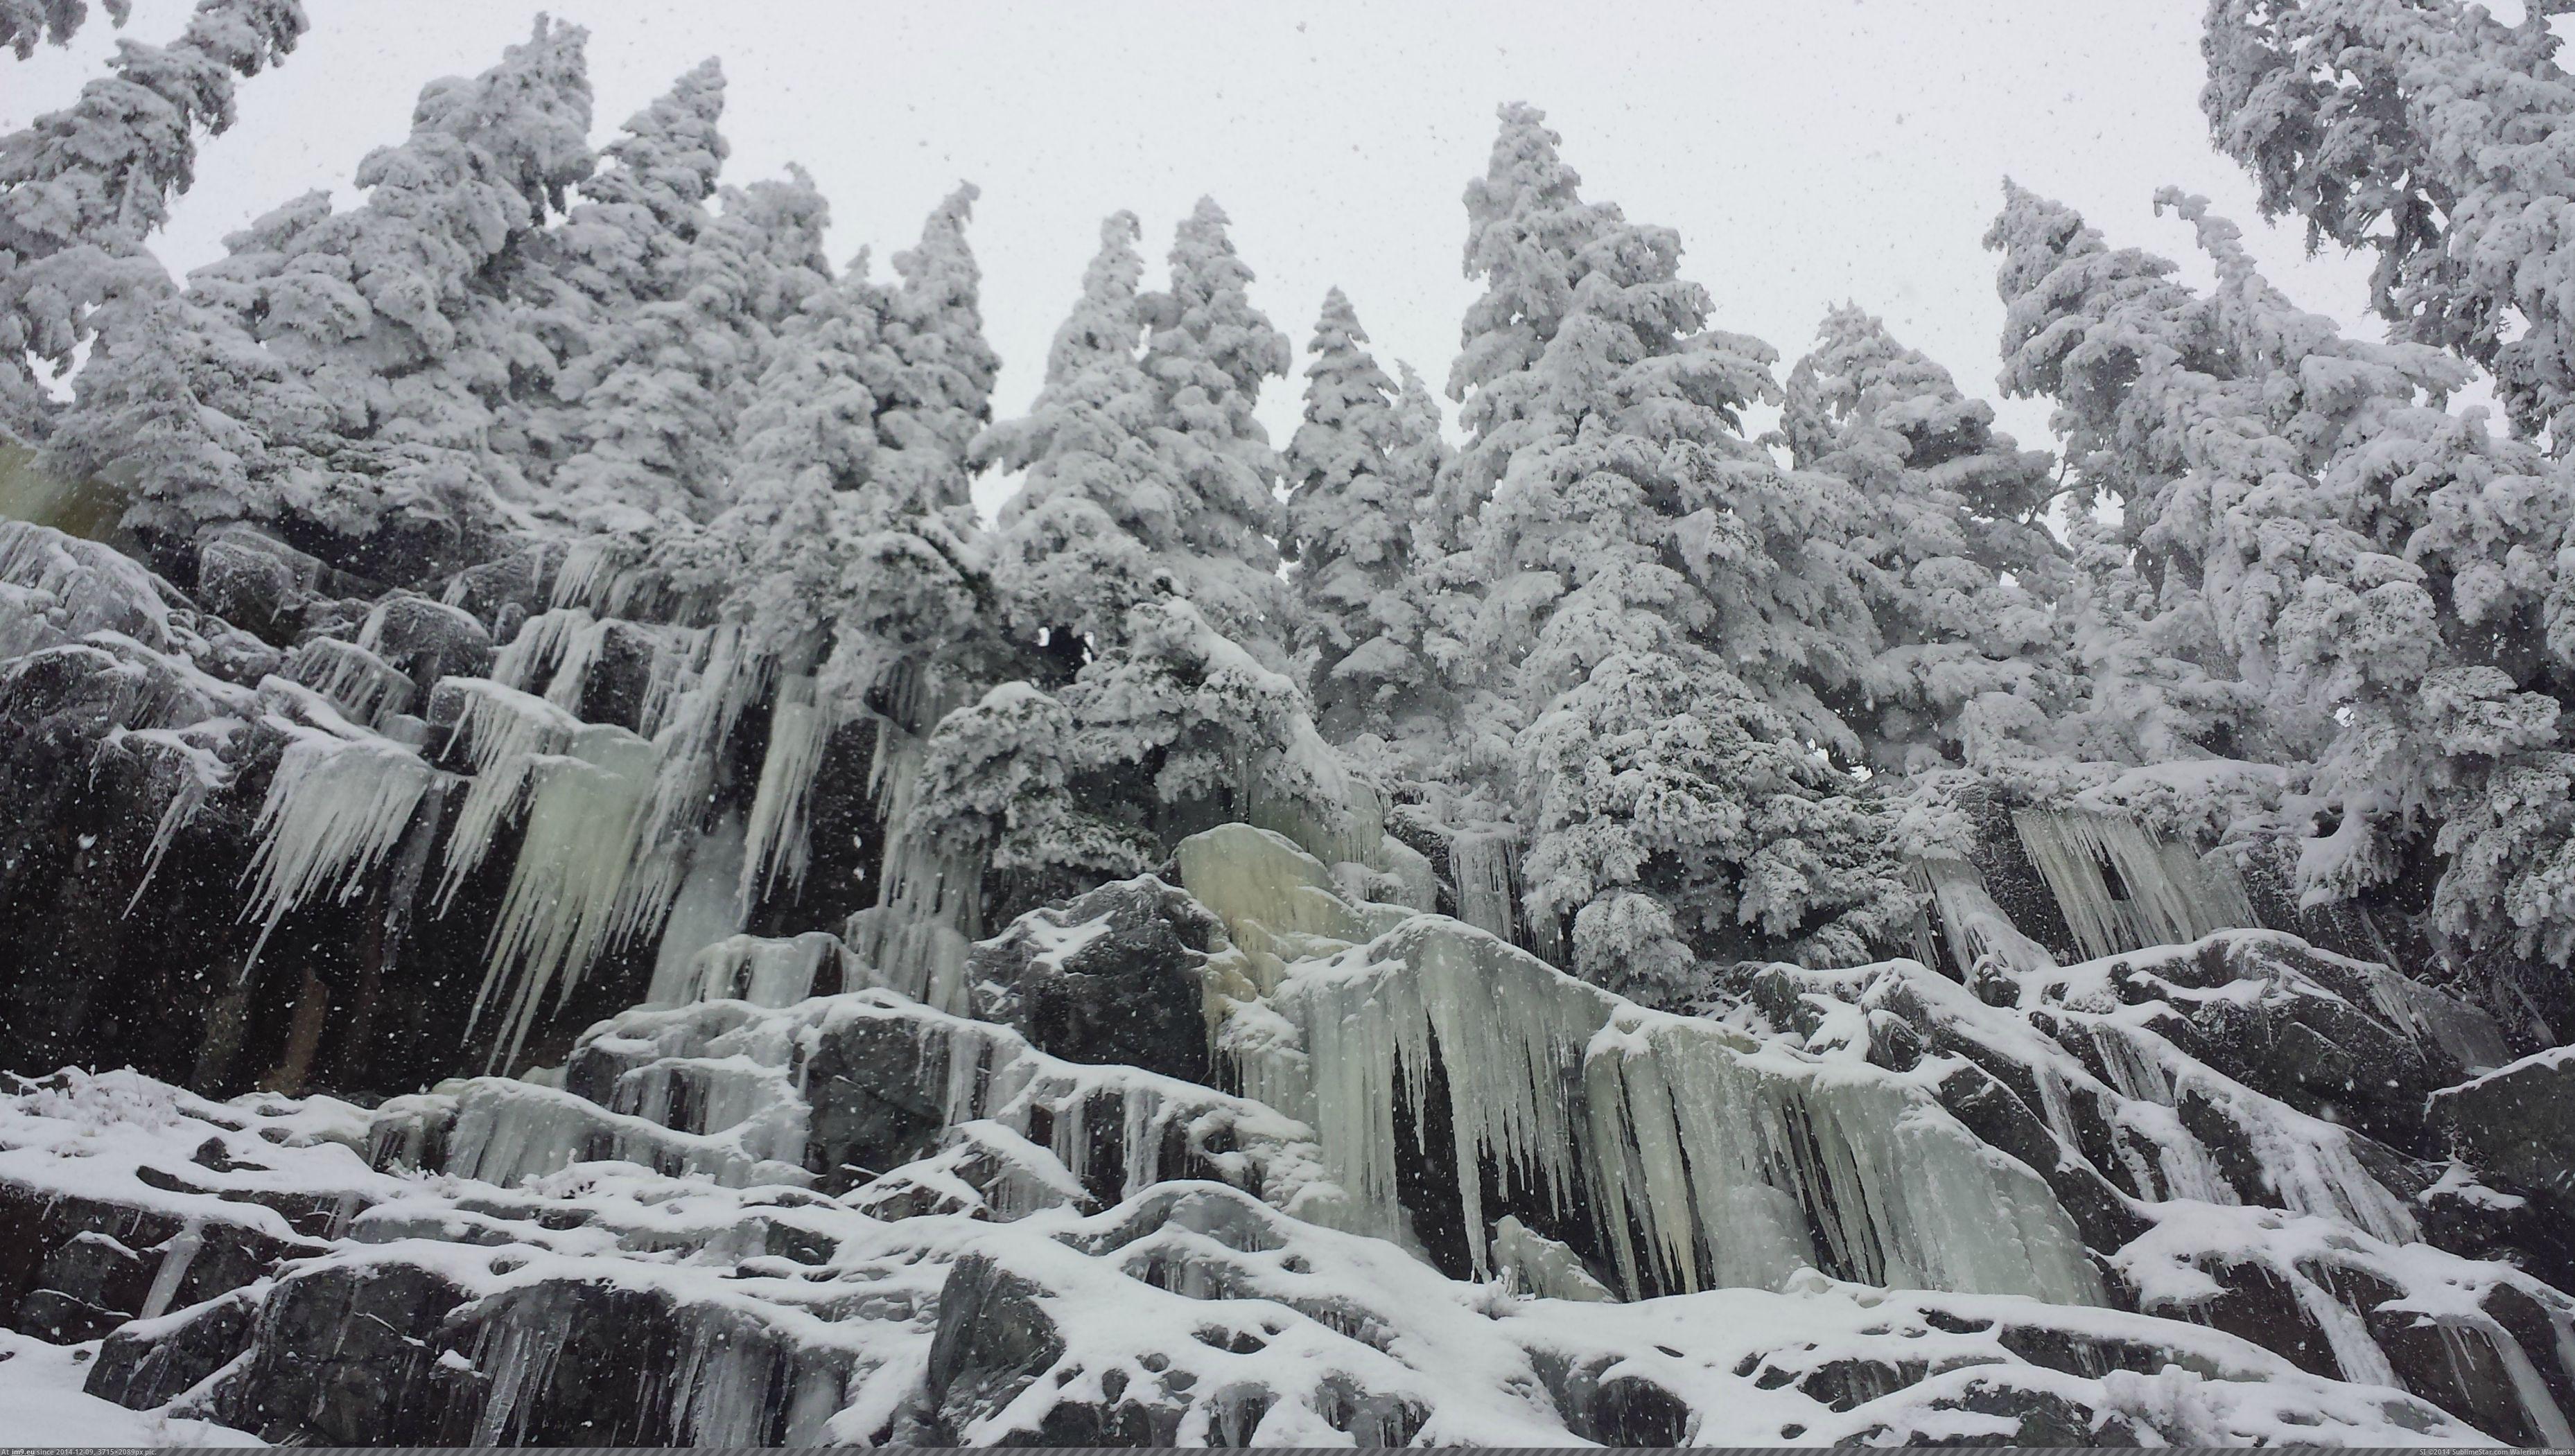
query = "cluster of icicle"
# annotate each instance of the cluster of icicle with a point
(615, 841)
(2122, 888)
(1723, 1155)
(718, 1088)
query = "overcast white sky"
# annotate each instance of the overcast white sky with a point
(1809, 151)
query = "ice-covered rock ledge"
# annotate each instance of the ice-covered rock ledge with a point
(1677, 1152)
(610, 1303)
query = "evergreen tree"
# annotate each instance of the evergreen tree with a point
(1956, 565)
(1662, 595)
(2365, 582)
(1206, 348)
(374, 350)
(2439, 138)
(81, 187)
(941, 395)
(633, 413)
(1076, 543)
(848, 543)
(25, 24)
(2113, 337)
(1358, 477)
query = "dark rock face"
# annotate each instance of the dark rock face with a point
(430, 641)
(76, 1268)
(995, 1338)
(337, 1359)
(2517, 1125)
(874, 1087)
(254, 589)
(2331, 1038)
(153, 1362)
(1111, 977)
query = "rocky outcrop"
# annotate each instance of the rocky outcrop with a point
(2516, 1125)
(1113, 976)
(1258, 1150)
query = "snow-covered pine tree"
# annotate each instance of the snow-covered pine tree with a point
(1660, 603)
(1206, 348)
(26, 24)
(81, 187)
(634, 414)
(2084, 326)
(2364, 581)
(941, 395)
(2438, 137)
(773, 556)
(848, 544)
(388, 335)
(1076, 544)
(1358, 479)
(995, 788)
(1959, 571)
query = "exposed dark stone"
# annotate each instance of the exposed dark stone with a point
(1113, 976)
(874, 1087)
(2517, 1126)
(993, 1338)
(341, 1356)
(2000, 1119)
(254, 589)
(1626, 1410)
(2308, 1028)
(431, 640)
(150, 1364)
(606, 1364)
(73, 1269)
(2041, 1418)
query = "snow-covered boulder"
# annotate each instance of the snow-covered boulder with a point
(1117, 976)
(2516, 1123)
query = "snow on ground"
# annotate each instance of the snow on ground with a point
(41, 1404)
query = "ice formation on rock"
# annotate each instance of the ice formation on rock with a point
(2122, 888)
(336, 807)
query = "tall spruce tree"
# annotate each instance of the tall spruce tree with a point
(1206, 348)
(1079, 541)
(81, 187)
(941, 395)
(373, 349)
(1658, 602)
(2441, 139)
(630, 412)
(1957, 567)
(1358, 480)
(2363, 581)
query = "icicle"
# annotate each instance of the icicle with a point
(1978, 928)
(176, 1257)
(775, 843)
(1675, 1127)
(707, 909)
(2167, 895)
(929, 902)
(590, 572)
(2530, 1390)
(566, 903)
(185, 799)
(503, 730)
(535, 658)
(767, 972)
(364, 686)
(1485, 864)
(335, 808)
